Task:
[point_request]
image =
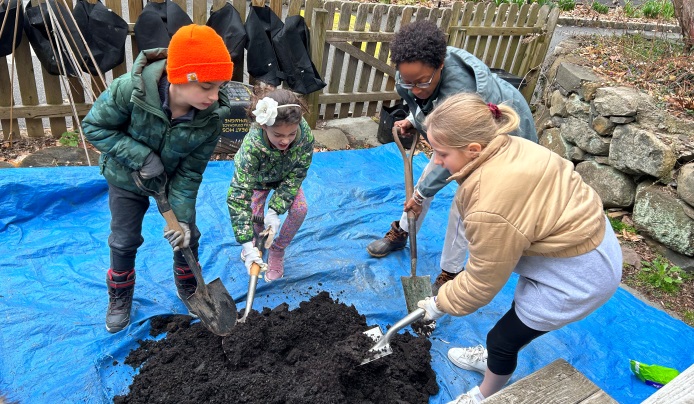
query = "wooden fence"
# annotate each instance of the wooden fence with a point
(349, 45)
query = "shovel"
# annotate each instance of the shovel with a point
(416, 288)
(382, 347)
(211, 302)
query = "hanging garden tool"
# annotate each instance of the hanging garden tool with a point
(415, 287)
(210, 302)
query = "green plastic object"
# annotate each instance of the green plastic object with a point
(653, 375)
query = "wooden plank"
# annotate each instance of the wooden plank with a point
(320, 16)
(276, 7)
(486, 31)
(295, 8)
(526, 42)
(377, 82)
(343, 80)
(350, 84)
(358, 97)
(500, 41)
(483, 42)
(134, 11)
(471, 45)
(366, 68)
(393, 14)
(199, 12)
(359, 25)
(6, 99)
(515, 39)
(510, 21)
(422, 14)
(338, 59)
(27, 85)
(351, 36)
(533, 76)
(330, 7)
(678, 390)
(558, 382)
(39, 111)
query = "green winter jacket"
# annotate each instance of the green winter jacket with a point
(259, 166)
(127, 122)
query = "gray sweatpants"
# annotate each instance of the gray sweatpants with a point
(455, 245)
(553, 292)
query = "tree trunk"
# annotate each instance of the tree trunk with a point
(684, 11)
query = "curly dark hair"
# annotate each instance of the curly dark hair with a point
(420, 41)
(288, 115)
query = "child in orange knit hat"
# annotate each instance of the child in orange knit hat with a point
(164, 118)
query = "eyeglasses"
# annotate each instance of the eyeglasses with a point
(409, 86)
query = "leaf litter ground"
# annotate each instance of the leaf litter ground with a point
(309, 354)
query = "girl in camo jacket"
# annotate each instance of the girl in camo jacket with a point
(275, 155)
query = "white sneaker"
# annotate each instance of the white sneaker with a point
(469, 358)
(471, 397)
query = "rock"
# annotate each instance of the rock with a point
(60, 156)
(578, 132)
(5, 164)
(558, 104)
(362, 129)
(332, 139)
(685, 183)
(659, 213)
(571, 77)
(588, 89)
(551, 139)
(637, 151)
(682, 261)
(603, 125)
(620, 101)
(631, 257)
(615, 188)
(576, 107)
(621, 120)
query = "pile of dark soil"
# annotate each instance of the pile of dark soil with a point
(311, 354)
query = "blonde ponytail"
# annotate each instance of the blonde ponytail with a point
(465, 118)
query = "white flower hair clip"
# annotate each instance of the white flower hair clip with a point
(266, 111)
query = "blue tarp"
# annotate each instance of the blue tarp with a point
(53, 257)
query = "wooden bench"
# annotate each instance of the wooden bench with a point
(558, 382)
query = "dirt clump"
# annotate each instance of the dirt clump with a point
(310, 354)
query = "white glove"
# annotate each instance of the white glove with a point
(250, 255)
(272, 226)
(433, 312)
(178, 239)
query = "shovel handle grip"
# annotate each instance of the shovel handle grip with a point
(255, 269)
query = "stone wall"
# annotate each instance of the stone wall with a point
(636, 155)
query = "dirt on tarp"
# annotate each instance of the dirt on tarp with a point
(311, 354)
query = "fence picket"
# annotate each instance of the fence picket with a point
(359, 26)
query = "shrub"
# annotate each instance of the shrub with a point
(662, 275)
(631, 11)
(69, 139)
(600, 8)
(567, 5)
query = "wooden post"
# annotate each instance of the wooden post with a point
(320, 18)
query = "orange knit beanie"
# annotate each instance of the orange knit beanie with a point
(197, 53)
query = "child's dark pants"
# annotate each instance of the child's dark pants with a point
(127, 212)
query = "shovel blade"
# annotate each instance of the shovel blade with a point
(416, 288)
(377, 352)
(214, 307)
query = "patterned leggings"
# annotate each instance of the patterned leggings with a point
(295, 217)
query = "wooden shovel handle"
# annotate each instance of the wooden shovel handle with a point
(255, 269)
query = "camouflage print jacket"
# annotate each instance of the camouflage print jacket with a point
(259, 166)
(127, 123)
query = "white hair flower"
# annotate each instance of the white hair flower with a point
(266, 111)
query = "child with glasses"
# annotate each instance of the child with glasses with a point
(274, 156)
(427, 73)
(526, 211)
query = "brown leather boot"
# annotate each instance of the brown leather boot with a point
(441, 279)
(395, 239)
